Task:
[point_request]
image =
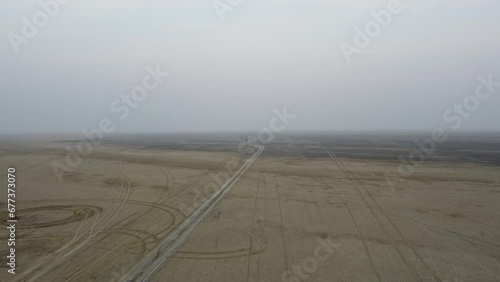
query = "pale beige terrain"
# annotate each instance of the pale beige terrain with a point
(104, 216)
(288, 218)
(441, 225)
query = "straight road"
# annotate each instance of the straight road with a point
(152, 262)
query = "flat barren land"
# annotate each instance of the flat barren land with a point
(301, 208)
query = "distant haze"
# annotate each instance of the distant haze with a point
(229, 75)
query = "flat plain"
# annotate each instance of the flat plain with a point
(311, 207)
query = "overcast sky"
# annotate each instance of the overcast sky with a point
(230, 74)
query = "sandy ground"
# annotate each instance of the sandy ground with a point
(106, 214)
(294, 219)
(288, 218)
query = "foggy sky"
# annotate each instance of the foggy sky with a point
(229, 75)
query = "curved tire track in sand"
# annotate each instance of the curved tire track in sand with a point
(158, 257)
(380, 209)
(59, 256)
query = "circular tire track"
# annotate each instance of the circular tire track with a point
(258, 246)
(79, 213)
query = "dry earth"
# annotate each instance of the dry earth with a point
(309, 214)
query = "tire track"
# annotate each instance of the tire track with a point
(445, 232)
(351, 215)
(258, 247)
(158, 257)
(281, 220)
(252, 223)
(101, 222)
(53, 250)
(379, 208)
(380, 224)
(168, 197)
(263, 227)
(59, 256)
